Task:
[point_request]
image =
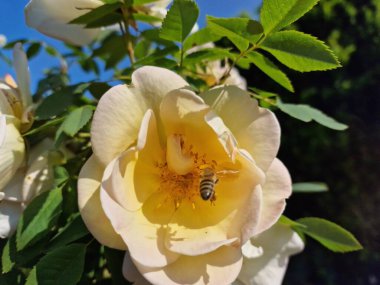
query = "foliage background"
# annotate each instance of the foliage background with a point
(348, 161)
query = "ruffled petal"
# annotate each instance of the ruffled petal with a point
(10, 213)
(255, 129)
(131, 199)
(39, 176)
(11, 154)
(143, 230)
(131, 273)
(277, 188)
(3, 129)
(218, 267)
(278, 244)
(116, 122)
(5, 107)
(128, 105)
(153, 83)
(21, 67)
(91, 208)
(12, 191)
(184, 113)
(51, 18)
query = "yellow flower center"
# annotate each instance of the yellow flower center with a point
(202, 174)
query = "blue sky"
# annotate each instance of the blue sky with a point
(12, 25)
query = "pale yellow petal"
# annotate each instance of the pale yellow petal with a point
(277, 188)
(130, 180)
(51, 17)
(278, 244)
(143, 230)
(183, 113)
(10, 213)
(178, 162)
(218, 267)
(131, 200)
(20, 63)
(154, 83)
(13, 190)
(116, 122)
(3, 129)
(5, 107)
(39, 176)
(255, 129)
(91, 208)
(11, 154)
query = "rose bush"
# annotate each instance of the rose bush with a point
(140, 189)
(22, 175)
(52, 18)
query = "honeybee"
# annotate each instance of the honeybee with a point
(207, 183)
(208, 180)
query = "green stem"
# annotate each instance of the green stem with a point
(242, 54)
(127, 34)
(181, 59)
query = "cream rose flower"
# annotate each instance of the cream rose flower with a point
(20, 180)
(155, 142)
(52, 17)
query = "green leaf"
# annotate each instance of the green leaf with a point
(301, 52)
(156, 56)
(142, 2)
(207, 55)
(62, 266)
(200, 37)
(306, 113)
(60, 176)
(59, 101)
(44, 127)
(277, 14)
(38, 218)
(96, 14)
(310, 187)
(286, 221)
(270, 69)
(329, 234)
(110, 50)
(240, 31)
(146, 18)
(33, 50)
(77, 120)
(73, 231)
(7, 257)
(98, 89)
(179, 20)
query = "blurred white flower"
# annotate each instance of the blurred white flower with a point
(214, 71)
(21, 176)
(52, 17)
(3, 41)
(30, 179)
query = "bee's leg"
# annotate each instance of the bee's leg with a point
(213, 199)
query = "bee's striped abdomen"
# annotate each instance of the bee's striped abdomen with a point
(206, 185)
